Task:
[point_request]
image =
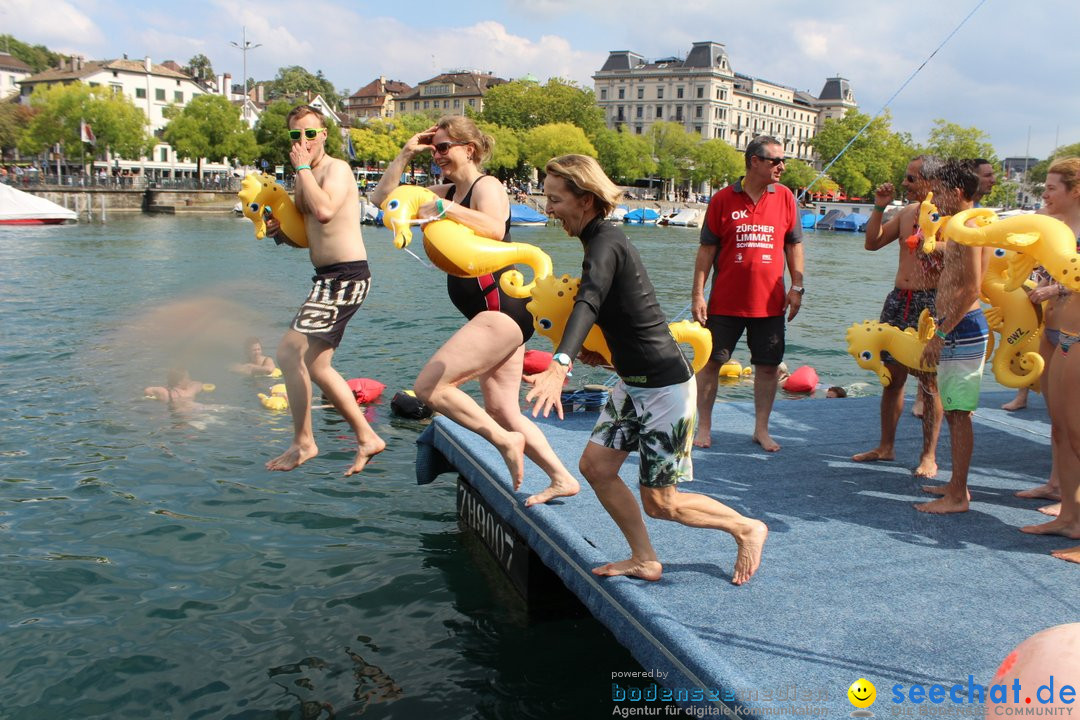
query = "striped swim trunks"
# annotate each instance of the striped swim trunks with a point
(960, 368)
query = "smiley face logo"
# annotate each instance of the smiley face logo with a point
(862, 693)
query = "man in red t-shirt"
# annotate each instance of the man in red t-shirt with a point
(751, 230)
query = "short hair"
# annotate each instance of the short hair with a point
(251, 341)
(300, 111)
(840, 392)
(930, 165)
(584, 176)
(958, 175)
(756, 144)
(981, 161)
(174, 377)
(463, 129)
(1069, 170)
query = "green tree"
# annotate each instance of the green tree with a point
(119, 126)
(373, 146)
(716, 162)
(525, 104)
(209, 127)
(547, 141)
(623, 155)
(200, 68)
(672, 148)
(1037, 172)
(878, 155)
(38, 57)
(798, 175)
(14, 119)
(949, 140)
(272, 134)
(506, 155)
(294, 81)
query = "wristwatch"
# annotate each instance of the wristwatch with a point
(561, 358)
(799, 289)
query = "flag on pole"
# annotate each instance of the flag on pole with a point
(349, 145)
(86, 134)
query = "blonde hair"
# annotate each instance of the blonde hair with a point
(1069, 170)
(462, 129)
(302, 110)
(584, 176)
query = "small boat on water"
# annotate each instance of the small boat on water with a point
(829, 221)
(687, 217)
(808, 219)
(22, 208)
(642, 216)
(525, 216)
(855, 222)
(618, 213)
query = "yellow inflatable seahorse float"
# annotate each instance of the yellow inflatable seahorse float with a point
(553, 300)
(868, 339)
(1037, 239)
(261, 197)
(930, 220)
(1017, 362)
(278, 399)
(457, 250)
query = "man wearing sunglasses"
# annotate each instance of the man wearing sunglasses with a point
(327, 197)
(914, 289)
(751, 231)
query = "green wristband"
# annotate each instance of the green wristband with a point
(302, 167)
(937, 331)
(880, 208)
(440, 208)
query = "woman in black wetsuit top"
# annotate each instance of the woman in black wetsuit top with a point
(652, 408)
(490, 345)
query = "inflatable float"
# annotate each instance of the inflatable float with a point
(365, 390)
(803, 380)
(1037, 240)
(867, 340)
(405, 404)
(733, 369)
(553, 300)
(277, 399)
(261, 197)
(457, 250)
(1016, 362)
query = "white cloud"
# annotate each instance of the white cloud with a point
(59, 25)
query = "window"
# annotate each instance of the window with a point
(164, 154)
(457, 103)
(701, 92)
(622, 93)
(437, 90)
(619, 112)
(659, 93)
(637, 129)
(416, 105)
(159, 94)
(178, 96)
(678, 93)
(697, 129)
(472, 102)
(603, 93)
(641, 93)
(640, 112)
(678, 113)
(698, 111)
(93, 84)
(140, 93)
(659, 112)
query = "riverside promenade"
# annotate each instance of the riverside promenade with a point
(854, 583)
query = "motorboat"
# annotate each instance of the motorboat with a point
(22, 208)
(525, 216)
(687, 217)
(642, 216)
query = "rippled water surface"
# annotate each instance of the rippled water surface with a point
(152, 568)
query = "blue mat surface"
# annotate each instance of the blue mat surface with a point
(854, 582)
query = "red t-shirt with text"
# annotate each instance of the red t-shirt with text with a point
(749, 268)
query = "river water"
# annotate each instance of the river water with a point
(152, 567)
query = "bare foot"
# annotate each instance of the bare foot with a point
(703, 437)
(364, 453)
(1015, 404)
(295, 456)
(927, 469)
(766, 442)
(943, 506)
(513, 453)
(917, 408)
(1056, 526)
(750, 540)
(1051, 510)
(939, 490)
(874, 455)
(1045, 491)
(558, 488)
(645, 569)
(1071, 554)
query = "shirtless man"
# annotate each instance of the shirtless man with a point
(257, 363)
(915, 288)
(958, 347)
(326, 196)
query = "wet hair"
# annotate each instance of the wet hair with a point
(754, 148)
(251, 341)
(930, 165)
(958, 175)
(840, 392)
(1068, 169)
(584, 176)
(302, 110)
(981, 161)
(174, 377)
(463, 129)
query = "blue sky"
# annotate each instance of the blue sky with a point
(1011, 70)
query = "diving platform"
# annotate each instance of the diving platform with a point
(854, 582)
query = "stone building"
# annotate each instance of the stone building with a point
(449, 93)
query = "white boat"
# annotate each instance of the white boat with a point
(687, 217)
(22, 208)
(618, 213)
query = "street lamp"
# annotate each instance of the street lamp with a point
(244, 46)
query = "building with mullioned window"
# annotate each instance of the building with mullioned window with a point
(705, 95)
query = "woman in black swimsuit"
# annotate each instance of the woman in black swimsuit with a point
(489, 346)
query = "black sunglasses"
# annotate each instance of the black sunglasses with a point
(912, 178)
(444, 147)
(771, 160)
